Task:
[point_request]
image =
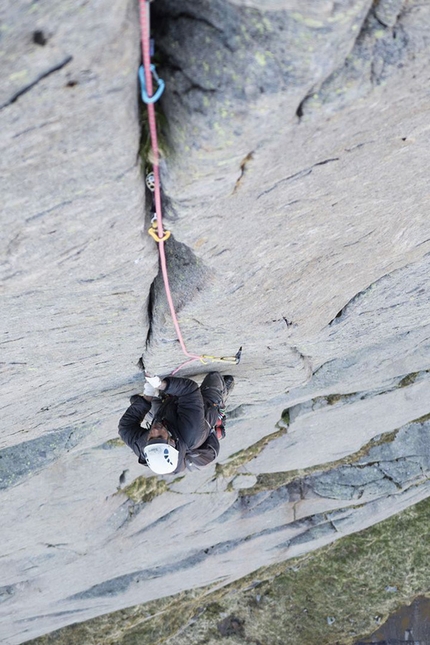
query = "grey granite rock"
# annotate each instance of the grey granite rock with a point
(301, 233)
(28, 457)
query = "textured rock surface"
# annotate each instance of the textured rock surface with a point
(296, 187)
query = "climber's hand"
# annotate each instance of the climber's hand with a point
(155, 381)
(149, 390)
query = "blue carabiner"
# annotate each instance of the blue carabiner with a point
(160, 90)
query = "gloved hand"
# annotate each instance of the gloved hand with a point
(149, 390)
(155, 381)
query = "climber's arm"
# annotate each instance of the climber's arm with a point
(129, 427)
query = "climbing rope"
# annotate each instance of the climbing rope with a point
(147, 73)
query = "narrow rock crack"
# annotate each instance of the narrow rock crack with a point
(37, 80)
(298, 175)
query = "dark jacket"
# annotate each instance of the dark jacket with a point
(183, 413)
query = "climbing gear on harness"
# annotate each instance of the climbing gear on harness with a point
(161, 458)
(220, 427)
(146, 75)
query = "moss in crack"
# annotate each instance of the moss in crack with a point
(334, 399)
(272, 481)
(422, 419)
(145, 489)
(115, 443)
(244, 456)
(408, 379)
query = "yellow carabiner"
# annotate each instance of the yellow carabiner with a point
(234, 360)
(205, 359)
(154, 234)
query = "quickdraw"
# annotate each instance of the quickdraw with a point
(235, 360)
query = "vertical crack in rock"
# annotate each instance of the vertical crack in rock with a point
(397, 484)
(150, 313)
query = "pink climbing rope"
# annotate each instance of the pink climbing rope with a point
(160, 236)
(146, 53)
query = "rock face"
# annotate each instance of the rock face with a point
(295, 185)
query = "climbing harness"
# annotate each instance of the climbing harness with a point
(147, 74)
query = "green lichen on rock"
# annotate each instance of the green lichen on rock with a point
(408, 379)
(242, 457)
(145, 136)
(423, 419)
(144, 489)
(334, 399)
(114, 443)
(271, 481)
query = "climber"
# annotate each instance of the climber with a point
(185, 424)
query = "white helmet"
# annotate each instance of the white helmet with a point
(161, 458)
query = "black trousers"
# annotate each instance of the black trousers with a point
(213, 391)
